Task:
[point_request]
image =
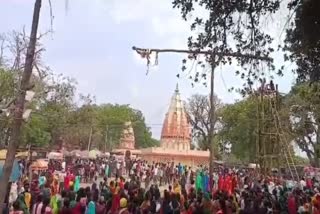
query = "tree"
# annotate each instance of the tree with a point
(303, 104)
(112, 119)
(198, 110)
(238, 128)
(229, 27)
(47, 86)
(6, 94)
(142, 133)
(36, 132)
(6, 86)
(303, 40)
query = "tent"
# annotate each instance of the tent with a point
(16, 172)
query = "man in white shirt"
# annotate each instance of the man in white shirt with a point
(63, 165)
(303, 183)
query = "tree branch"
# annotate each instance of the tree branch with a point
(143, 52)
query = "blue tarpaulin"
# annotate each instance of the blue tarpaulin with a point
(15, 174)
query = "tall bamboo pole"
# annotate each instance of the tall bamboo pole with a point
(19, 106)
(212, 122)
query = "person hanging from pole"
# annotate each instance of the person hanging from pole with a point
(271, 85)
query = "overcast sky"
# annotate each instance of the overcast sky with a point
(92, 42)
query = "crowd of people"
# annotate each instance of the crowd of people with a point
(132, 187)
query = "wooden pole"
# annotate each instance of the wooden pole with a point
(230, 54)
(90, 137)
(258, 133)
(19, 106)
(212, 122)
(263, 141)
(106, 139)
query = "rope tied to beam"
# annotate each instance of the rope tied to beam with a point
(146, 54)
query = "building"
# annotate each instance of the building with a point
(127, 141)
(176, 138)
(176, 130)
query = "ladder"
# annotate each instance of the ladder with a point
(285, 145)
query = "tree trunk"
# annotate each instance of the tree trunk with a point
(212, 122)
(19, 107)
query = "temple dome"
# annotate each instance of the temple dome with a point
(127, 140)
(176, 130)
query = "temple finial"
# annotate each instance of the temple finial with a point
(177, 88)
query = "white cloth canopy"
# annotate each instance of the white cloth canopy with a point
(55, 155)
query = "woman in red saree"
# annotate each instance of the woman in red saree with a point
(228, 184)
(67, 180)
(221, 182)
(234, 183)
(115, 197)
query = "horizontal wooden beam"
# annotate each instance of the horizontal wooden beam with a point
(227, 54)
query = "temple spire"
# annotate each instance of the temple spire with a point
(176, 128)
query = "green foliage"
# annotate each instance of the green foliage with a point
(303, 40)
(6, 85)
(301, 161)
(225, 27)
(36, 132)
(57, 119)
(303, 105)
(142, 133)
(107, 122)
(110, 122)
(299, 117)
(7, 89)
(238, 128)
